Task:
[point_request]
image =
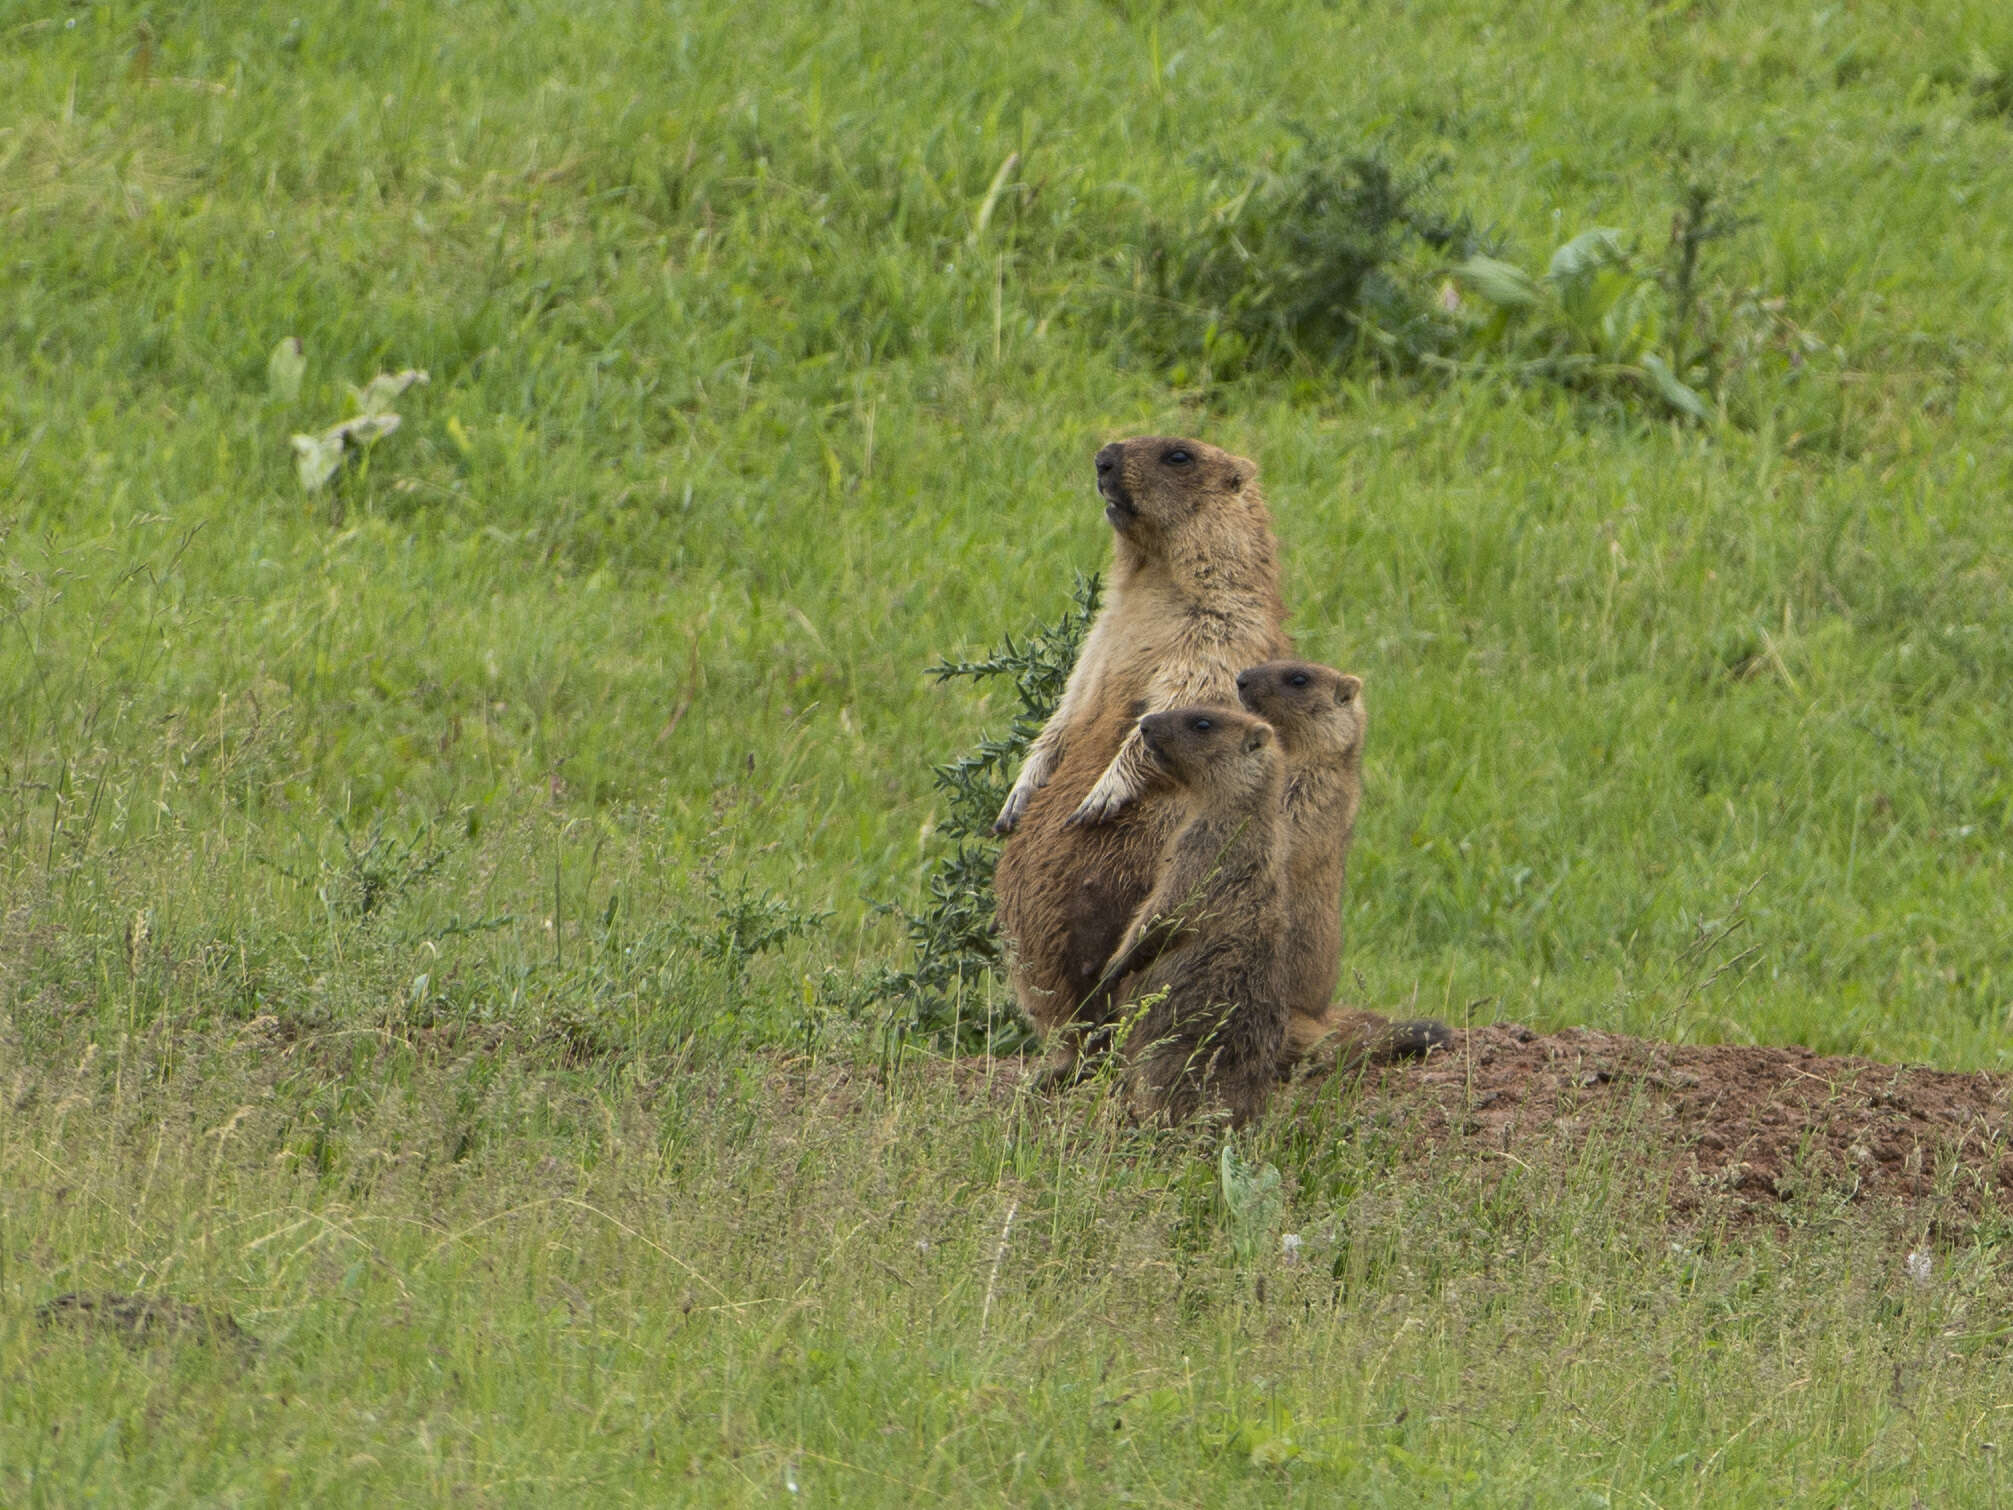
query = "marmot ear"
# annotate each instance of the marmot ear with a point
(1259, 737)
(1348, 689)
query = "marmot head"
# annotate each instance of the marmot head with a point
(1306, 702)
(1152, 485)
(1217, 749)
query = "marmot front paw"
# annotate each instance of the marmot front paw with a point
(1098, 807)
(1015, 805)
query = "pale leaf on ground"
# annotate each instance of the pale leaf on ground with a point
(284, 369)
(318, 457)
(375, 397)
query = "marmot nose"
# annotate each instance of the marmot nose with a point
(1243, 680)
(1107, 459)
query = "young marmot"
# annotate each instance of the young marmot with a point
(1204, 953)
(1319, 716)
(1193, 598)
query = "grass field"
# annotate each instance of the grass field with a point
(428, 904)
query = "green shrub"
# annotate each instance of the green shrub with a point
(1322, 259)
(953, 944)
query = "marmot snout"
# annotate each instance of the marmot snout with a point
(1155, 483)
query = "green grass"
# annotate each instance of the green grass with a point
(707, 1289)
(743, 411)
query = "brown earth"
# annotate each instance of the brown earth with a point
(1766, 1123)
(1741, 1130)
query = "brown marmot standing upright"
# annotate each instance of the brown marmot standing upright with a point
(1206, 951)
(1320, 718)
(1192, 599)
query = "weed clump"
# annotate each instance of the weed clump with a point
(1313, 260)
(1988, 79)
(954, 948)
(1337, 256)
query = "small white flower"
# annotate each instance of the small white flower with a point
(1919, 1268)
(1290, 1246)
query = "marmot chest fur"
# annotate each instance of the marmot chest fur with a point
(1204, 952)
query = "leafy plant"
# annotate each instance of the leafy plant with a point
(1702, 218)
(377, 870)
(1593, 316)
(1338, 256)
(1303, 261)
(952, 940)
(746, 924)
(1252, 1201)
(318, 458)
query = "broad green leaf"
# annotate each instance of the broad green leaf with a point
(1503, 284)
(1587, 274)
(365, 430)
(1672, 391)
(1586, 254)
(1253, 1196)
(1273, 1451)
(284, 369)
(1634, 323)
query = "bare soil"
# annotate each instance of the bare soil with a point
(1769, 1124)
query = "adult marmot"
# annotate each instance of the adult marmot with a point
(1319, 716)
(1205, 953)
(1193, 598)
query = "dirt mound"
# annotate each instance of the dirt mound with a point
(1765, 1123)
(1733, 1131)
(1737, 1129)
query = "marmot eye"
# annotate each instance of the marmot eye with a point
(1202, 725)
(1298, 678)
(1177, 457)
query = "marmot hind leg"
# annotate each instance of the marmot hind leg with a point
(1233, 1066)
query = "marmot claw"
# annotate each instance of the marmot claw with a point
(1094, 810)
(1010, 812)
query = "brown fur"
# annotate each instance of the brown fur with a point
(1320, 717)
(1192, 598)
(1204, 953)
